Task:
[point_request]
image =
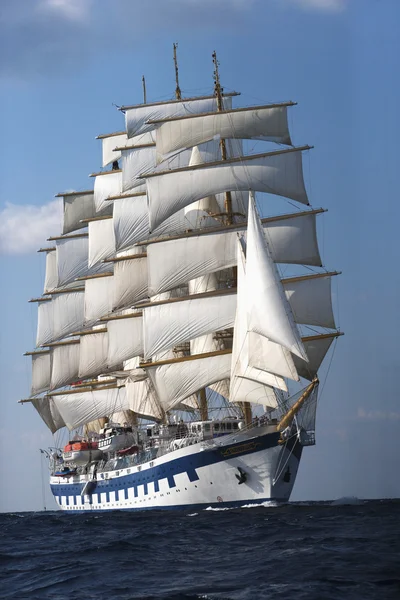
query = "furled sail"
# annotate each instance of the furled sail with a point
(268, 123)
(136, 117)
(83, 407)
(279, 173)
(176, 380)
(292, 239)
(41, 370)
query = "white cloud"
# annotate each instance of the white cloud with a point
(321, 5)
(24, 228)
(377, 415)
(76, 10)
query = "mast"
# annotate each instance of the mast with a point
(218, 90)
(178, 94)
(144, 90)
(246, 407)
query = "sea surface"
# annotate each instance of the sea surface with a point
(348, 549)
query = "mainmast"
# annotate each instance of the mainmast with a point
(218, 90)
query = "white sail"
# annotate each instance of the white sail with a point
(83, 407)
(274, 363)
(93, 354)
(176, 381)
(106, 185)
(72, 260)
(49, 413)
(142, 399)
(131, 222)
(316, 350)
(64, 364)
(60, 316)
(279, 174)
(135, 161)
(99, 294)
(130, 281)
(172, 263)
(248, 390)
(101, 241)
(125, 339)
(112, 144)
(51, 278)
(262, 123)
(170, 324)
(108, 145)
(79, 206)
(268, 311)
(311, 301)
(137, 116)
(41, 369)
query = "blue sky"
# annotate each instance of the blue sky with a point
(66, 62)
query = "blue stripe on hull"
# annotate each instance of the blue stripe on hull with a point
(186, 464)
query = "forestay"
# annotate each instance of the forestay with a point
(280, 174)
(80, 408)
(173, 263)
(262, 123)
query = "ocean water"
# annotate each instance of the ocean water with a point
(304, 551)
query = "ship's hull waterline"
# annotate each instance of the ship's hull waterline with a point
(195, 476)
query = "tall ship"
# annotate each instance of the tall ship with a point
(185, 313)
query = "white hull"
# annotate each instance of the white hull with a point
(191, 476)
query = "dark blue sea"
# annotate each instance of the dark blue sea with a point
(313, 551)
